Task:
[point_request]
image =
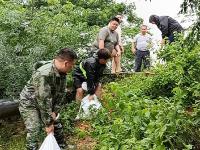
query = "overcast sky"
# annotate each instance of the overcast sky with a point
(158, 7)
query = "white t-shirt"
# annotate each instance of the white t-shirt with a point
(143, 42)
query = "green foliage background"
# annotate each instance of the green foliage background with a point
(154, 112)
(35, 30)
(140, 112)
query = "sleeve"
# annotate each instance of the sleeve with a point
(164, 28)
(90, 73)
(44, 99)
(103, 33)
(174, 26)
(60, 100)
(100, 74)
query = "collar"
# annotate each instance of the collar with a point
(109, 29)
(55, 70)
(143, 34)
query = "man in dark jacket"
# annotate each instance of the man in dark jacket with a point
(90, 71)
(167, 25)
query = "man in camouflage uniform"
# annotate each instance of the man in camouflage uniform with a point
(41, 98)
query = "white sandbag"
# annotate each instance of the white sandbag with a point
(50, 143)
(88, 107)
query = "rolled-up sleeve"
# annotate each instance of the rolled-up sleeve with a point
(103, 33)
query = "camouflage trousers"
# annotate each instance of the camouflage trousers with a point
(35, 128)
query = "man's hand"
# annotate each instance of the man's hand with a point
(118, 53)
(121, 49)
(134, 50)
(118, 50)
(162, 42)
(49, 129)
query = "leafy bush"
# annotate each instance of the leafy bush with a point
(154, 112)
(132, 120)
(36, 31)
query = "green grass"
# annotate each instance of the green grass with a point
(12, 135)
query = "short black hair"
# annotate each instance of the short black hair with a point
(154, 18)
(104, 54)
(114, 19)
(143, 25)
(67, 54)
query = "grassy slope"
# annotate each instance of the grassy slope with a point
(130, 120)
(133, 120)
(12, 135)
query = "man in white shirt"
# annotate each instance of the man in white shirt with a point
(142, 42)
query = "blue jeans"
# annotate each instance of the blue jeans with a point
(142, 57)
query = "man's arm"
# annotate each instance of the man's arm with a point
(164, 27)
(103, 33)
(101, 44)
(122, 48)
(44, 99)
(117, 48)
(119, 31)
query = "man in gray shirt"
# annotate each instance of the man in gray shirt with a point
(142, 42)
(108, 38)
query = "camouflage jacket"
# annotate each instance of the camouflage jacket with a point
(44, 91)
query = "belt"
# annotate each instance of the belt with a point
(142, 50)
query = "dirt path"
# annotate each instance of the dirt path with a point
(82, 140)
(13, 133)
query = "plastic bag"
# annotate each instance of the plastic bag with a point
(88, 108)
(84, 86)
(49, 143)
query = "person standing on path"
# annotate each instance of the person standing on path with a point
(141, 45)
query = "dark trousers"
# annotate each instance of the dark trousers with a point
(171, 38)
(59, 134)
(142, 57)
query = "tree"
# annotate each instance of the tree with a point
(194, 6)
(187, 6)
(36, 30)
